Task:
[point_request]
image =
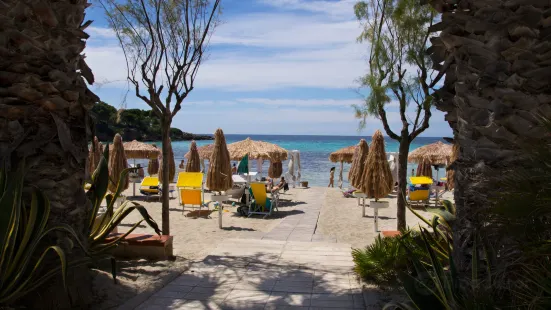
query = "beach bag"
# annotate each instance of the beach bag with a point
(243, 210)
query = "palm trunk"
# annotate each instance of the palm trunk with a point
(44, 117)
(402, 182)
(166, 177)
(496, 77)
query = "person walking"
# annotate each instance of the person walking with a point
(331, 177)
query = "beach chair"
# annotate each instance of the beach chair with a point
(150, 187)
(418, 197)
(190, 189)
(262, 204)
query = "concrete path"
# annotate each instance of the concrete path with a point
(282, 269)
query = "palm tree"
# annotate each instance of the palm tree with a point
(494, 56)
(44, 106)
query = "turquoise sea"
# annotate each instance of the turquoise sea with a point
(314, 152)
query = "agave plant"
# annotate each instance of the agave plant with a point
(434, 283)
(381, 261)
(23, 228)
(102, 225)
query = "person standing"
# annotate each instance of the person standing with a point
(331, 177)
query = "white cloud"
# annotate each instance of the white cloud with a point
(262, 51)
(331, 8)
(100, 32)
(285, 31)
(301, 102)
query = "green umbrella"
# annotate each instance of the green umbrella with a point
(243, 165)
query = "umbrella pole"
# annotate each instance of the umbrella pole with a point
(340, 176)
(134, 182)
(248, 181)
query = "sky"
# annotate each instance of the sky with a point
(274, 67)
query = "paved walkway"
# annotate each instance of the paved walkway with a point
(286, 268)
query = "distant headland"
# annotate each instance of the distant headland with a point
(134, 124)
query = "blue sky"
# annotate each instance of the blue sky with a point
(275, 67)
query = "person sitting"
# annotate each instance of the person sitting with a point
(281, 184)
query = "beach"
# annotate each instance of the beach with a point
(314, 153)
(332, 218)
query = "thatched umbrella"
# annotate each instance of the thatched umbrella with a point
(219, 174)
(358, 164)
(377, 177)
(139, 150)
(193, 163)
(171, 164)
(344, 155)
(257, 149)
(437, 153)
(94, 155)
(117, 163)
(153, 164)
(275, 170)
(424, 168)
(450, 173)
(204, 151)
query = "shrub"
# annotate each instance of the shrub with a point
(382, 261)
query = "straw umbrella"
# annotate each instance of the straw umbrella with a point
(117, 163)
(450, 173)
(219, 174)
(204, 151)
(344, 155)
(437, 153)
(275, 170)
(358, 164)
(377, 177)
(424, 168)
(257, 149)
(153, 164)
(193, 163)
(94, 155)
(171, 164)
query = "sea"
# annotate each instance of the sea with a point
(314, 153)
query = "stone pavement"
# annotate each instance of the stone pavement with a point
(283, 269)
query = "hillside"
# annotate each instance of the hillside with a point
(133, 124)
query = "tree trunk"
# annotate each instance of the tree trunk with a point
(166, 174)
(495, 80)
(402, 182)
(44, 104)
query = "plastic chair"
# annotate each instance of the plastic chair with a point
(190, 189)
(150, 186)
(261, 203)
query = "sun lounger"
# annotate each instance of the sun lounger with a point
(262, 203)
(150, 186)
(190, 189)
(418, 197)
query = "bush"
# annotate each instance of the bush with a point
(382, 261)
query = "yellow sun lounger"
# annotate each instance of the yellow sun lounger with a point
(147, 184)
(190, 189)
(262, 204)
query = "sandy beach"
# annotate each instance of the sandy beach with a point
(340, 220)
